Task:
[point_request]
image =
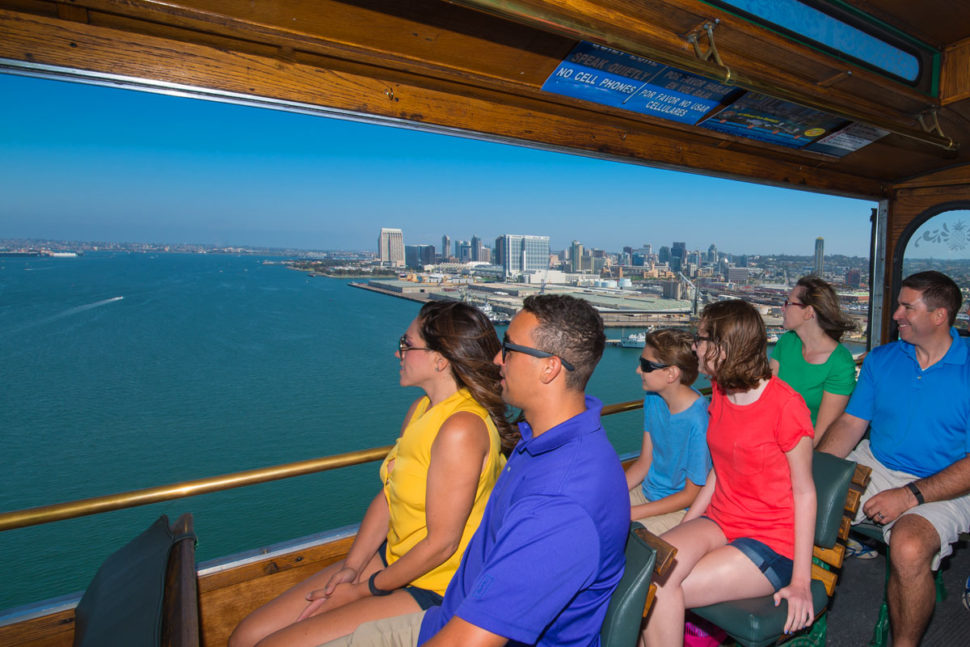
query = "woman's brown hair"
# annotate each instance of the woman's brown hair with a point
(825, 303)
(466, 338)
(736, 328)
(675, 348)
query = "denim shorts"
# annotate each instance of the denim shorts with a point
(425, 598)
(776, 568)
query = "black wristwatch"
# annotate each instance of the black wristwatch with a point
(916, 493)
(376, 592)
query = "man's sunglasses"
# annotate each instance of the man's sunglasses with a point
(646, 366)
(534, 352)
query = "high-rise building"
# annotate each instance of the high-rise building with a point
(712, 254)
(819, 255)
(390, 247)
(463, 251)
(853, 279)
(678, 256)
(576, 257)
(518, 253)
(419, 255)
(476, 248)
(445, 245)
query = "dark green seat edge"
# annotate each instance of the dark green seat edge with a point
(621, 626)
(757, 621)
(125, 603)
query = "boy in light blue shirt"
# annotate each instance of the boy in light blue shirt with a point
(674, 461)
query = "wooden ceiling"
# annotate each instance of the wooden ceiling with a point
(477, 67)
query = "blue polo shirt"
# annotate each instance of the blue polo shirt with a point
(920, 419)
(548, 554)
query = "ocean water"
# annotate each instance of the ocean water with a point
(125, 371)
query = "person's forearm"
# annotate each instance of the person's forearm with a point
(371, 534)
(805, 510)
(843, 435)
(703, 498)
(951, 482)
(424, 556)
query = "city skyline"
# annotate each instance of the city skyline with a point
(140, 167)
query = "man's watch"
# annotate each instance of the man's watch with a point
(916, 493)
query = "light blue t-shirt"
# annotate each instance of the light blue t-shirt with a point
(679, 446)
(920, 419)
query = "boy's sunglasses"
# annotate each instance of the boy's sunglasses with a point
(647, 366)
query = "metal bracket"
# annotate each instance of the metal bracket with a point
(694, 37)
(929, 120)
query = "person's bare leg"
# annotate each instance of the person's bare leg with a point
(286, 608)
(341, 621)
(912, 593)
(724, 574)
(665, 622)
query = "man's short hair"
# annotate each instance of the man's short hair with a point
(570, 328)
(938, 291)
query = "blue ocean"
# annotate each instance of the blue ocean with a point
(125, 371)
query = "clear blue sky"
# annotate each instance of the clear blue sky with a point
(81, 162)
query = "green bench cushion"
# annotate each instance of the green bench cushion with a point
(756, 621)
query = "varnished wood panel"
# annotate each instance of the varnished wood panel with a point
(55, 630)
(228, 596)
(955, 75)
(404, 99)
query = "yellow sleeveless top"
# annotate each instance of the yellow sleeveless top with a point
(406, 485)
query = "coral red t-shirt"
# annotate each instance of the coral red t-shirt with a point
(753, 493)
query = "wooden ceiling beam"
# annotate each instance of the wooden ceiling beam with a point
(406, 100)
(637, 27)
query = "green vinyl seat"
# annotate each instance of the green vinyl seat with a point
(145, 593)
(621, 626)
(756, 622)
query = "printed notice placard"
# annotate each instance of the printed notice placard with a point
(849, 139)
(610, 77)
(757, 116)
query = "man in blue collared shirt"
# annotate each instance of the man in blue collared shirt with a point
(915, 394)
(548, 554)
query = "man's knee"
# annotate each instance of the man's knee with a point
(912, 544)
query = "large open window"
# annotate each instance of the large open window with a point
(939, 240)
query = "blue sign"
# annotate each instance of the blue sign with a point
(613, 78)
(767, 119)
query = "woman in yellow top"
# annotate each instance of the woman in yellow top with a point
(437, 480)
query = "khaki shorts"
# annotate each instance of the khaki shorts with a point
(949, 518)
(658, 524)
(399, 631)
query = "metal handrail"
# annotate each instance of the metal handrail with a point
(134, 498)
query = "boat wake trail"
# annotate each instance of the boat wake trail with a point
(67, 313)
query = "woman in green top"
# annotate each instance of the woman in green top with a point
(809, 356)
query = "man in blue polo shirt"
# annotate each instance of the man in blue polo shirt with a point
(548, 554)
(915, 394)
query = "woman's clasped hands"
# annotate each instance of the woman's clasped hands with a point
(341, 588)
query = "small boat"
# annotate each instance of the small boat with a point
(634, 340)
